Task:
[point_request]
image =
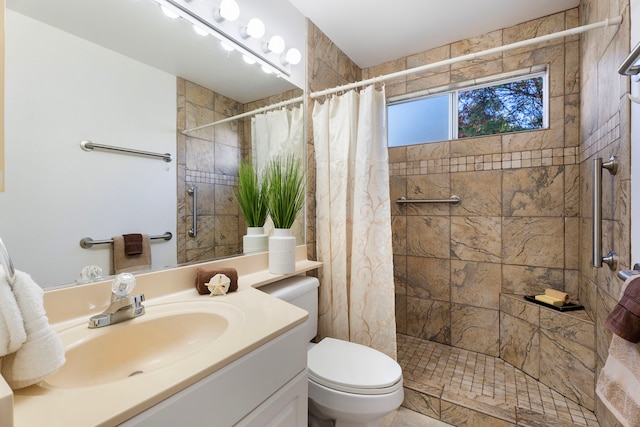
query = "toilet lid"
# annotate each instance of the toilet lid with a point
(352, 368)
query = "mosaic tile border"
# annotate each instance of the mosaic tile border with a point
(484, 162)
(200, 177)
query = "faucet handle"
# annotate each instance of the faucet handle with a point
(123, 284)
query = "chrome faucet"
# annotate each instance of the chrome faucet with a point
(123, 306)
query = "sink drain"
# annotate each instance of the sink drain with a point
(135, 373)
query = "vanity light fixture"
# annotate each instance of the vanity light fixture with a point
(293, 57)
(228, 11)
(255, 28)
(248, 41)
(275, 45)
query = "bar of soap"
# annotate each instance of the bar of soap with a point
(549, 300)
(563, 296)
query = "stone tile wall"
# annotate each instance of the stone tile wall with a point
(604, 130)
(516, 230)
(555, 348)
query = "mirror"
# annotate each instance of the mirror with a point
(120, 73)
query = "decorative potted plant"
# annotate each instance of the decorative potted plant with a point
(285, 199)
(251, 194)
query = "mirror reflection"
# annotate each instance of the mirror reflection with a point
(119, 73)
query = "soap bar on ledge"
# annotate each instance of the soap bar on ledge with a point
(564, 307)
(550, 300)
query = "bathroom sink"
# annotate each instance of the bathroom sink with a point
(165, 335)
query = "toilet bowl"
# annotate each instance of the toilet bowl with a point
(351, 385)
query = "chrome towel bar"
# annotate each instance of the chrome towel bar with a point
(625, 274)
(88, 242)
(454, 200)
(89, 146)
(7, 264)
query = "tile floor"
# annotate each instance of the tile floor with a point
(404, 417)
(488, 379)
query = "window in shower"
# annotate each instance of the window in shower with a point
(506, 105)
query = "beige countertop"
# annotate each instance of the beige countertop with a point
(258, 318)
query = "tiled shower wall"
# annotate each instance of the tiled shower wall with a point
(208, 159)
(517, 228)
(604, 130)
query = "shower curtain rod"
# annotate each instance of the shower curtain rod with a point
(247, 114)
(572, 31)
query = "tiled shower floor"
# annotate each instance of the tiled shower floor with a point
(452, 384)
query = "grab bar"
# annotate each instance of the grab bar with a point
(629, 66)
(193, 192)
(7, 264)
(454, 200)
(596, 230)
(88, 242)
(89, 146)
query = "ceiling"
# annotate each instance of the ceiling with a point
(371, 35)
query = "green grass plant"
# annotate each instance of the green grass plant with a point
(286, 182)
(252, 193)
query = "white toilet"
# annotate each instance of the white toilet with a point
(350, 383)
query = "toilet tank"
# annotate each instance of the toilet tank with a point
(301, 291)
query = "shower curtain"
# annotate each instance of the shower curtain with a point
(353, 220)
(279, 133)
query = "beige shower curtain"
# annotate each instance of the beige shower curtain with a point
(353, 225)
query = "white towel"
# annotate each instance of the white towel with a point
(42, 354)
(619, 380)
(12, 333)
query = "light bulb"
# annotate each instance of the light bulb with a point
(249, 60)
(255, 28)
(226, 46)
(229, 10)
(200, 31)
(266, 70)
(169, 13)
(293, 57)
(275, 45)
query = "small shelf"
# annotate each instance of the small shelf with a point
(567, 307)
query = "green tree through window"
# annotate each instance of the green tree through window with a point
(508, 107)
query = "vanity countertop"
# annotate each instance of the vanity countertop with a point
(261, 318)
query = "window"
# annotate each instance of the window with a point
(506, 106)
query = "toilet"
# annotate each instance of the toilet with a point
(350, 384)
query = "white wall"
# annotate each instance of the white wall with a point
(59, 90)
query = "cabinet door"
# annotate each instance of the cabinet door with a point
(286, 408)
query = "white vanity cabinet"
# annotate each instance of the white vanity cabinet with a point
(266, 387)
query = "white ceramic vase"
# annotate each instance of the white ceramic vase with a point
(282, 252)
(255, 240)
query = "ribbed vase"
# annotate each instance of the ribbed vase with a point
(255, 240)
(282, 252)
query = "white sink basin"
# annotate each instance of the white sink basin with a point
(164, 335)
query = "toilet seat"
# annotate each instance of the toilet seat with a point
(353, 368)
